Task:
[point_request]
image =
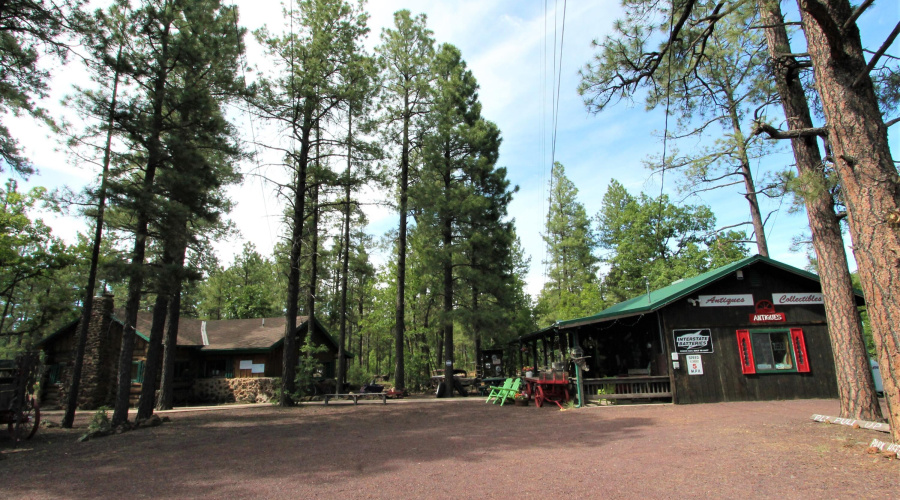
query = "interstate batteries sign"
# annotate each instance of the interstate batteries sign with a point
(693, 341)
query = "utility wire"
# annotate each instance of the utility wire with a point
(662, 181)
(562, 39)
(253, 129)
(557, 82)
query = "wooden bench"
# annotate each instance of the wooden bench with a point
(646, 387)
(355, 397)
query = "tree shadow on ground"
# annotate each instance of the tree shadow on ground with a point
(211, 453)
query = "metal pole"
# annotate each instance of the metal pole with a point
(578, 380)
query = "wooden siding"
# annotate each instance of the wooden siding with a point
(722, 379)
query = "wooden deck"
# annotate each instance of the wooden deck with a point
(640, 387)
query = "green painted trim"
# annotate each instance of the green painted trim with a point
(119, 321)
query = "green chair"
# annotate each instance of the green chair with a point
(495, 391)
(508, 393)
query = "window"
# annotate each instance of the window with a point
(137, 372)
(53, 373)
(772, 351)
(215, 368)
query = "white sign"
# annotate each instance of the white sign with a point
(259, 368)
(797, 299)
(694, 364)
(246, 364)
(726, 300)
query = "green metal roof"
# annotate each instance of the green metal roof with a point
(658, 299)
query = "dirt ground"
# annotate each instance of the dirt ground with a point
(462, 448)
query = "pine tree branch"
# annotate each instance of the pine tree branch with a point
(856, 13)
(774, 133)
(887, 43)
(764, 26)
(891, 122)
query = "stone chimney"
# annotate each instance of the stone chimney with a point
(98, 376)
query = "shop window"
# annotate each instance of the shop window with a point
(772, 351)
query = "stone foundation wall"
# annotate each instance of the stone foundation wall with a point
(229, 390)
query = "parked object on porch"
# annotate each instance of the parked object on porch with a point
(461, 381)
(543, 390)
(371, 388)
(18, 407)
(520, 399)
(395, 393)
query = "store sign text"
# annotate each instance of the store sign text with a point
(765, 313)
(797, 299)
(726, 300)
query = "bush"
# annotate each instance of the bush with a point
(100, 423)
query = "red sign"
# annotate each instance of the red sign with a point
(765, 313)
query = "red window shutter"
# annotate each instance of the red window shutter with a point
(799, 344)
(746, 352)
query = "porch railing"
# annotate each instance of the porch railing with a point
(642, 387)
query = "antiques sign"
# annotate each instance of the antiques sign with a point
(765, 313)
(693, 341)
(726, 300)
(797, 299)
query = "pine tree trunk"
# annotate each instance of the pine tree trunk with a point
(854, 378)
(345, 259)
(868, 177)
(759, 229)
(170, 342)
(447, 320)
(290, 354)
(154, 354)
(400, 311)
(136, 281)
(313, 263)
(88, 305)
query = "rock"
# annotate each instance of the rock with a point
(166, 419)
(873, 450)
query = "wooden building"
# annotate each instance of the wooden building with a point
(242, 348)
(752, 330)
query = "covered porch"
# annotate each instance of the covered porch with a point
(624, 358)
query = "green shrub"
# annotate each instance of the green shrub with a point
(100, 423)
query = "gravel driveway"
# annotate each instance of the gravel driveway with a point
(462, 448)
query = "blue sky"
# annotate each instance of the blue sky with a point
(503, 43)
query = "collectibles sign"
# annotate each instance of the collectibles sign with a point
(693, 341)
(726, 300)
(765, 313)
(797, 299)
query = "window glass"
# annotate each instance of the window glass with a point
(772, 351)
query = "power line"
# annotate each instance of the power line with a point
(252, 128)
(557, 82)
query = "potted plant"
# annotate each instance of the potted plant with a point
(528, 371)
(520, 399)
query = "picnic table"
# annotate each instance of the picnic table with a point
(542, 389)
